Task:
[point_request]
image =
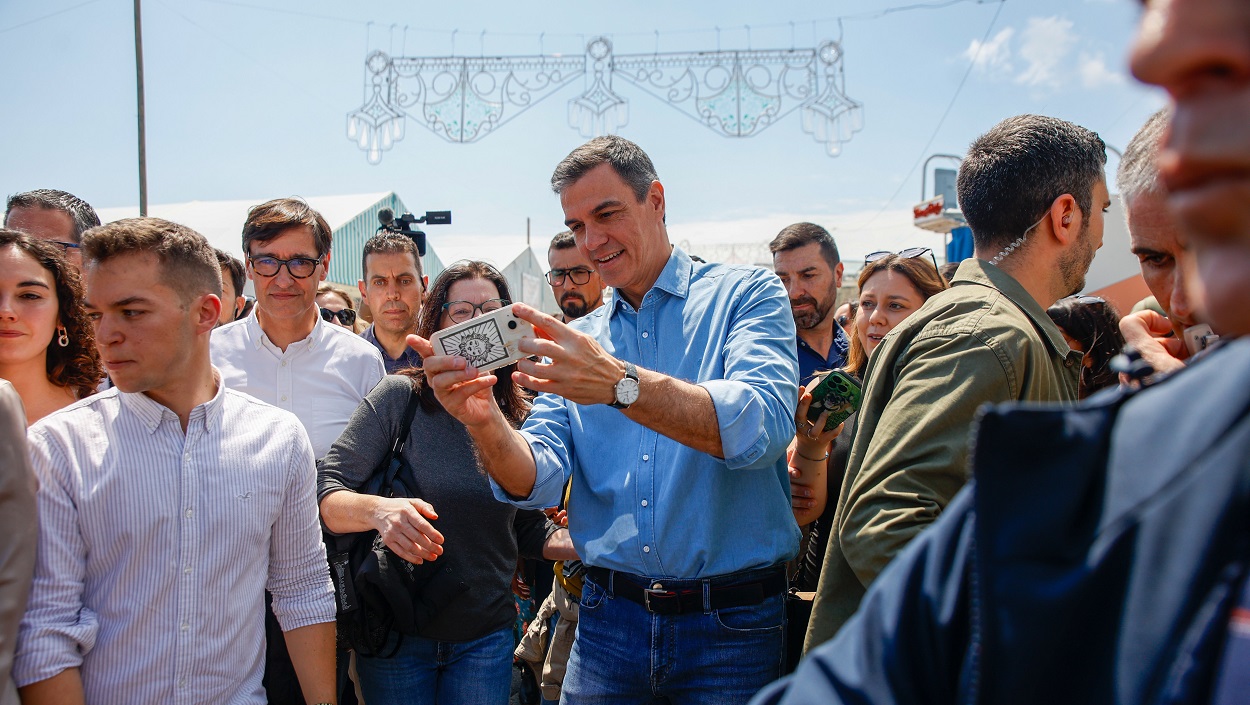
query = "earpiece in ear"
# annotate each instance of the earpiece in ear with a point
(1067, 220)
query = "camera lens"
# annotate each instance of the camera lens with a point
(512, 325)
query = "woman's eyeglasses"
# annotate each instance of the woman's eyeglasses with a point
(909, 253)
(461, 311)
(346, 316)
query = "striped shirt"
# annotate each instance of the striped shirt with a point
(155, 547)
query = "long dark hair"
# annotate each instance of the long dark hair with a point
(1095, 324)
(513, 401)
(77, 365)
(922, 275)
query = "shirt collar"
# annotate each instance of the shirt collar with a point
(978, 271)
(152, 413)
(674, 278)
(258, 337)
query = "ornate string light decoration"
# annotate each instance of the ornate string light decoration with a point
(735, 93)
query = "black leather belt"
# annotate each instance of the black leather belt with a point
(688, 597)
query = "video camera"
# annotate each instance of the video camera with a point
(406, 224)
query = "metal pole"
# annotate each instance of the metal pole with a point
(143, 152)
(527, 231)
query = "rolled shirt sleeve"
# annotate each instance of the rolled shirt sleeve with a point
(755, 401)
(299, 576)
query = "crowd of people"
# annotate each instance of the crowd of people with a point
(1034, 499)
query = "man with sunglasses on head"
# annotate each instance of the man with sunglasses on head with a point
(56, 216)
(576, 285)
(1033, 191)
(284, 353)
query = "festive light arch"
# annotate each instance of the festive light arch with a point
(735, 93)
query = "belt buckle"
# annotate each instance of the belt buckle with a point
(655, 589)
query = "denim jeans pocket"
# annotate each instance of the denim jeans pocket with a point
(768, 617)
(592, 595)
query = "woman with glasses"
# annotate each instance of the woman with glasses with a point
(891, 287)
(1091, 326)
(47, 347)
(464, 655)
(337, 307)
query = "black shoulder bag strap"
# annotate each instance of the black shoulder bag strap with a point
(393, 465)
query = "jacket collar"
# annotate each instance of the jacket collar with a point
(979, 271)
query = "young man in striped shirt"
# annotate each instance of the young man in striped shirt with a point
(168, 504)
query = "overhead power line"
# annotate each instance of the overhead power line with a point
(924, 151)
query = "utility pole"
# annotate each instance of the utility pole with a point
(143, 152)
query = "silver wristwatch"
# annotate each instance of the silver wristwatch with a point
(626, 390)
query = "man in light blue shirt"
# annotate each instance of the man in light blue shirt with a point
(670, 408)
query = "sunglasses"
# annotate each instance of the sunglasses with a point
(909, 253)
(1088, 300)
(346, 316)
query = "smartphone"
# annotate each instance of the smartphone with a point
(836, 392)
(488, 342)
(1199, 338)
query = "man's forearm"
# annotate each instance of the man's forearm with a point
(312, 654)
(505, 456)
(679, 410)
(65, 688)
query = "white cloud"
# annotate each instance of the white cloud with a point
(1045, 45)
(994, 56)
(1095, 72)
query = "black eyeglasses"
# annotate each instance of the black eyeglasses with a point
(909, 253)
(66, 246)
(346, 316)
(299, 267)
(579, 275)
(461, 311)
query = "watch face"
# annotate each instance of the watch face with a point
(627, 391)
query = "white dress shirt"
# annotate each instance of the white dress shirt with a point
(155, 547)
(321, 379)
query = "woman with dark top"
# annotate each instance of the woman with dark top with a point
(891, 287)
(464, 655)
(47, 346)
(1091, 326)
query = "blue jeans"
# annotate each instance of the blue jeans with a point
(624, 654)
(434, 672)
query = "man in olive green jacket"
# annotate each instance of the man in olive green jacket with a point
(1033, 192)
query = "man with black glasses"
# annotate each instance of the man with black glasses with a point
(285, 354)
(576, 285)
(56, 216)
(1033, 191)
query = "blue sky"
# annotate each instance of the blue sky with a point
(248, 99)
